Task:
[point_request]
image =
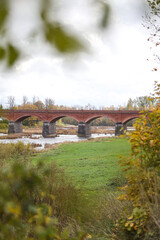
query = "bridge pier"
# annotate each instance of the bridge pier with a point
(49, 129)
(84, 129)
(120, 128)
(15, 127)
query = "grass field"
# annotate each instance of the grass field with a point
(92, 165)
(78, 198)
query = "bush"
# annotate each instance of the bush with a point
(38, 202)
(20, 215)
(3, 125)
(15, 151)
(139, 214)
(142, 192)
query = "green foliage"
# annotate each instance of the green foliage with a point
(2, 53)
(3, 13)
(64, 42)
(9, 54)
(105, 15)
(12, 54)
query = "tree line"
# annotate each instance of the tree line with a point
(138, 103)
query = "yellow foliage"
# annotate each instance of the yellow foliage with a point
(143, 176)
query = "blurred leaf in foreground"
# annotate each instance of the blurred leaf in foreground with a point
(12, 55)
(3, 12)
(63, 41)
(105, 15)
(2, 53)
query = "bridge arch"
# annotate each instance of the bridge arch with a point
(90, 119)
(23, 117)
(106, 124)
(130, 119)
(16, 125)
(55, 119)
(49, 127)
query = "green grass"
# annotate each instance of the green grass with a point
(92, 165)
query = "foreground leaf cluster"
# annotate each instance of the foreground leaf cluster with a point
(37, 202)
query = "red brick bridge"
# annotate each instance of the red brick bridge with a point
(83, 117)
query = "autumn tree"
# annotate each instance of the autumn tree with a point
(39, 104)
(139, 218)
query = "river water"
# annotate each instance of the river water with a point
(39, 140)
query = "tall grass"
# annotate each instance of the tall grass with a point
(42, 185)
(14, 151)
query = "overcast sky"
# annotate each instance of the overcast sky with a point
(114, 69)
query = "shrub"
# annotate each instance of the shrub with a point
(139, 219)
(14, 151)
(3, 126)
(38, 202)
(28, 205)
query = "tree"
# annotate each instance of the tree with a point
(152, 23)
(39, 104)
(34, 100)
(130, 104)
(11, 101)
(25, 100)
(143, 103)
(49, 103)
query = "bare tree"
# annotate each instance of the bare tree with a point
(49, 103)
(34, 99)
(25, 100)
(11, 102)
(151, 21)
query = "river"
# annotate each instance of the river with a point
(42, 142)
